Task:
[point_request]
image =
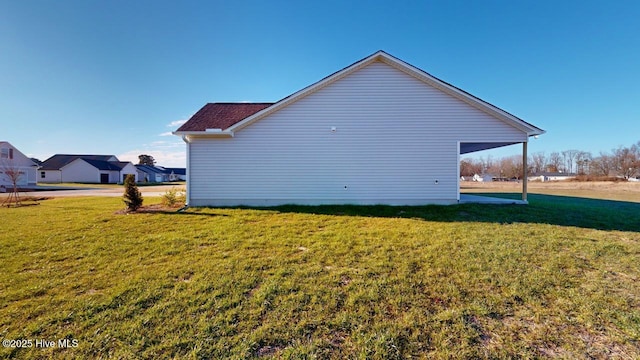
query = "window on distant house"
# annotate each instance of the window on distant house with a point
(43, 175)
(4, 153)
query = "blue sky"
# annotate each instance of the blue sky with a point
(115, 77)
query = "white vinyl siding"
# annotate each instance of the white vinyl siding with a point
(12, 158)
(50, 176)
(81, 172)
(129, 169)
(395, 137)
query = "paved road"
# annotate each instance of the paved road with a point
(157, 190)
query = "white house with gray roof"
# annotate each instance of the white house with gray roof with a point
(98, 169)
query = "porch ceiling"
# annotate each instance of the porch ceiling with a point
(469, 147)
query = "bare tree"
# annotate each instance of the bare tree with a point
(537, 162)
(470, 167)
(486, 164)
(12, 173)
(511, 167)
(555, 162)
(569, 157)
(627, 160)
(583, 158)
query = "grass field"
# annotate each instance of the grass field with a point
(557, 278)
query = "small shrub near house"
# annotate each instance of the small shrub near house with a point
(132, 196)
(174, 198)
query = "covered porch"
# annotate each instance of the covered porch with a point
(471, 147)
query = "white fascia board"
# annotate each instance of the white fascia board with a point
(206, 134)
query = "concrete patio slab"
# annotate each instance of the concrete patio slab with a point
(477, 199)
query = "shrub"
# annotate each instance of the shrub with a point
(132, 196)
(598, 178)
(174, 198)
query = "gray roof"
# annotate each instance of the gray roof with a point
(56, 162)
(106, 165)
(177, 171)
(152, 169)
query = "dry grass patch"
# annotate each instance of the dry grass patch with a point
(621, 191)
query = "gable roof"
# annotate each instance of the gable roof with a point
(15, 150)
(231, 119)
(221, 115)
(177, 171)
(152, 169)
(60, 160)
(106, 165)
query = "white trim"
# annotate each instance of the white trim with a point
(313, 202)
(458, 174)
(204, 134)
(188, 173)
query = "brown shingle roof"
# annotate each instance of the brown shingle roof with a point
(221, 115)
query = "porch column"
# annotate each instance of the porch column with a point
(524, 171)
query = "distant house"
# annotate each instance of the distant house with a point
(148, 173)
(552, 176)
(177, 174)
(12, 158)
(98, 169)
(483, 178)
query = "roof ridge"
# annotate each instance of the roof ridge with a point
(240, 103)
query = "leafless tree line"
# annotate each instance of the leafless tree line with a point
(622, 161)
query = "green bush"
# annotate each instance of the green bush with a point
(132, 196)
(174, 198)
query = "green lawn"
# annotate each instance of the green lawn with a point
(557, 278)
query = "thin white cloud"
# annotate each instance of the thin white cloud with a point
(162, 157)
(166, 153)
(168, 133)
(166, 144)
(176, 123)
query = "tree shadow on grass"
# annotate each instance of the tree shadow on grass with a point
(542, 209)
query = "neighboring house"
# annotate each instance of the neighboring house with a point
(483, 178)
(379, 131)
(148, 173)
(104, 169)
(553, 176)
(177, 174)
(10, 159)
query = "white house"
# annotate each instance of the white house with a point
(105, 169)
(147, 173)
(483, 177)
(379, 131)
(12, 159)
(553, 176)
(177, 174)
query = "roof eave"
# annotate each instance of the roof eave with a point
(188, 135)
